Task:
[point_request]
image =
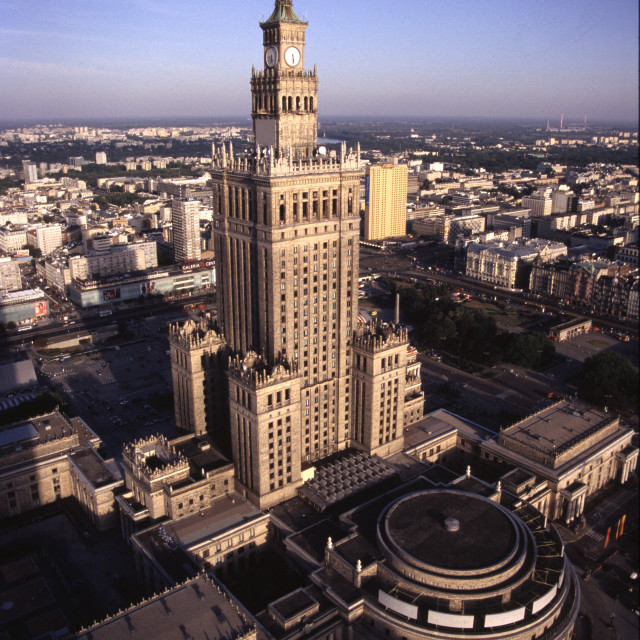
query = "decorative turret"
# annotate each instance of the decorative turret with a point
(377, 336)
(253, 371)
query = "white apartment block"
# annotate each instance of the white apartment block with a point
(12, 239)
(46, 237)
(540, 202)
(185, 215)
(14, 217)
(115, 260)
(10, 279)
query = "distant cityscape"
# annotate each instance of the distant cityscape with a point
(324, 379)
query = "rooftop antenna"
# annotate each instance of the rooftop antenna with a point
(396, 318)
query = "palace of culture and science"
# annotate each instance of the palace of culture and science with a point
(288, 376)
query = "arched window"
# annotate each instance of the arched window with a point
(311, 104)
(306, 103)
(290, 103)
(298, 103)
(284, 103)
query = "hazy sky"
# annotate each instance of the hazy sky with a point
(161, 58)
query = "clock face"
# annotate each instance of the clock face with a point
(271, 56)
(292, 56)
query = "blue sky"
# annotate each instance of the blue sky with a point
(160, 58)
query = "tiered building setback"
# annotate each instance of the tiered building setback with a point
(286, 239)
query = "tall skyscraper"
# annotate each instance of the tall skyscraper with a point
(285, 231)
(30, 171)
(386, 207)
(185, 216)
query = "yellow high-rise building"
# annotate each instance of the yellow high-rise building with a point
(386, 212)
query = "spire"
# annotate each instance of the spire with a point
(283, 13)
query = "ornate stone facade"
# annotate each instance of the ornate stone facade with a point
(286, 238)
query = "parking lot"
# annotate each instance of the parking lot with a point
(122, 391)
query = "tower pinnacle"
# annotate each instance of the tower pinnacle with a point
(283, 12)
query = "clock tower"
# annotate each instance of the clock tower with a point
(284, 106)
(286, 226)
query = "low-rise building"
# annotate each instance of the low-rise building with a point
(197, 608)
(571, 329)
(176, 281)
(52, 457)
(23, 307)
(628, 255)
(572, 280)
(567, 451)
(10, 278)
(54, 270)
(508, 264)
(171, 479)
(12, 238)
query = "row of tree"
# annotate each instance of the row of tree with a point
(607, 379)
(471, 334)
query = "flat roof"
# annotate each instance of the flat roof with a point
(225, 513)
(438, 423)
(293, 604)
(558, 427)
(14, 375)
(196, 609)
(16, 435)
(16, 297)
(43, 428)
(93, 467)
(416, 525)
(201, 454)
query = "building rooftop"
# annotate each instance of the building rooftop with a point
(16, 375)
(558, 427)
(343, 475)
(225, 513)
(93, 468)
(440, 422)
(417, 526)
(203, 458)
(198, 608)
(36, 431)
(19, 297)
(165, 541)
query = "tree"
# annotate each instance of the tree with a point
(609, 380)
(531, 349)
(34, 252)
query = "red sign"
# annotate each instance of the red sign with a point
(41, 309)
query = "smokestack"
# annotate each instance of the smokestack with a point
(562, 121)
(396, 318)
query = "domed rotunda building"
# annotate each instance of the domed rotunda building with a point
(445, 563)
